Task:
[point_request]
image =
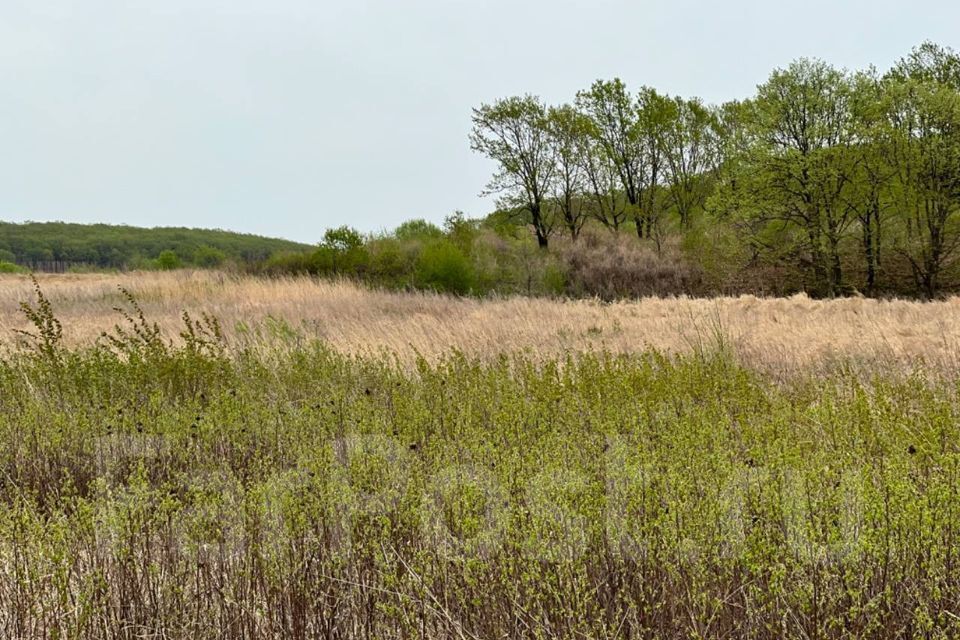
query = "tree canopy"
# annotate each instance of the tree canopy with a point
(852, 176)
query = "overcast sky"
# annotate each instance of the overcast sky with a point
(284, 117)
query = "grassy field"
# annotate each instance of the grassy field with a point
(736, 468)
(775, 335)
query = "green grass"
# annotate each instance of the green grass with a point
(152, 491)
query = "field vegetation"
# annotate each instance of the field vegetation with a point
(197, 481)
(779, 336)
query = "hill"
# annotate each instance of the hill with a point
(58, 246)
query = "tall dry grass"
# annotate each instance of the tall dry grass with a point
(779, 335)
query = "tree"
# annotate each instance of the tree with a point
(607, 203)
(342, 252)
(869, 195)
(797, 162)
(691, 143)
(929, 63)
(460, 231)
(654, 114)
(569, 132)
(342, 239)
(617, 129)
(924, 112)
(513, 132)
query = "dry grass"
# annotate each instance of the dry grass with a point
(779, 335)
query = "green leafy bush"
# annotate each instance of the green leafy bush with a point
(208, 257)
(417, 229)
(442, 266)
(168, 259)
(392, 262)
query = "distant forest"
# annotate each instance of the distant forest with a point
(60, 246)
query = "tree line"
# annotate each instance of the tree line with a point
(58, 246)
(839, 172)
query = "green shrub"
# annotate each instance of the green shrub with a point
(391, 262)
(461, 231)
(9, 267)
(168, 259)
(89, 268)
(442, 266)
(208, 257)
(295, 263)
(417, 229)
(328, 260)
(554, 279)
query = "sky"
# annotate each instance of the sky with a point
(286, 117)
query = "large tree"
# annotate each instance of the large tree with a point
(607, 203)
(514, 133)
(569, 134)
(797, 162)
(872, 179)
(691, 143)
(617, 129)
(654, 119)
(924, 111)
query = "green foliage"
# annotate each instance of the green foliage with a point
(341, 253)
(825, 181)
(342, 239)
(460, 231)
(291, 263)
(442, 266)
(168, 259)
(47, 337)
(794, 172)
(154, 483)
(513, 132)
(554, 280)
(9, 267)
(417, 229)
(392, 261)
(209, 257)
